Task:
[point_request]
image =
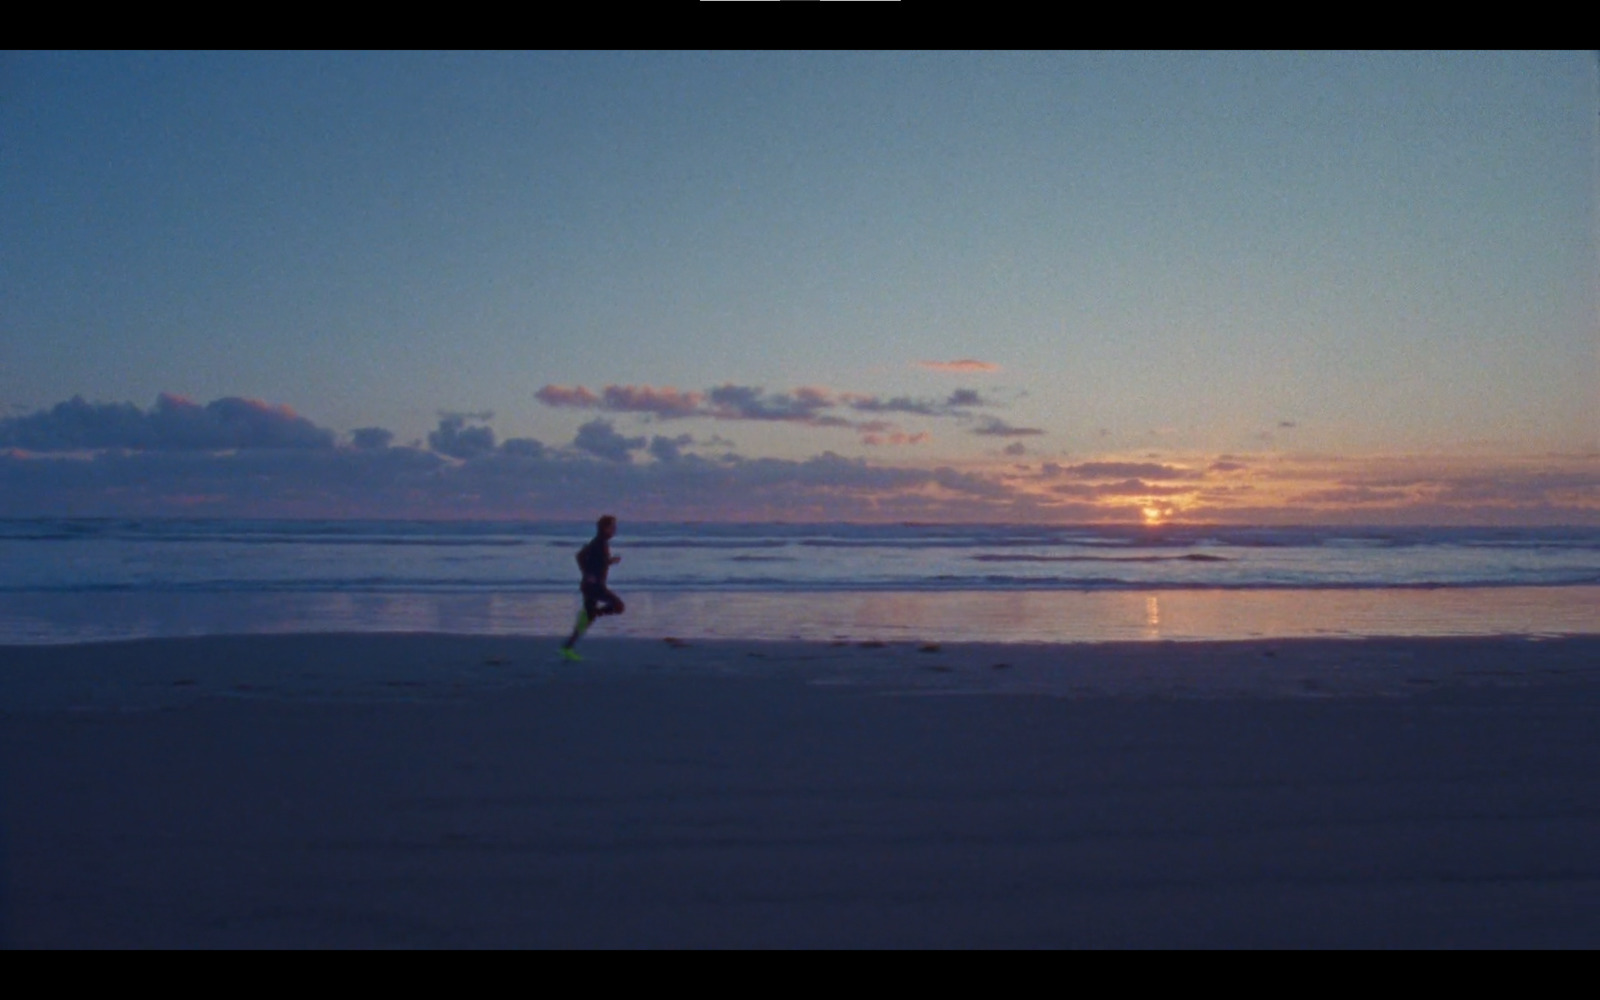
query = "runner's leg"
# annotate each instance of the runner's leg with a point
(612, 604)
(586, 616)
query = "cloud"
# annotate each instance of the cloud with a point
(333, 482)
(808, 405)
(455, 439)
(173, 424)
(558, 484)
(995, 427)
(966, 397)
(665, 449)
(899, 404)
(524, 448)
(1115, 470)
(1016, 448)
(663, 402)
(600, 439)
(1521, 486)
(1125, 488)
(745, 402)
(522, 478)
(896, 438)
(567, 395)
(968, 482)
(953, 406)
(1351, 495)
(963, 365)
(725, 402)
(1437, 489)
(239, 457)
(371, 438)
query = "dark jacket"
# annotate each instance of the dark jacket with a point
(595, 560)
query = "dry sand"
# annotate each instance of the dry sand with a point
(439, 791)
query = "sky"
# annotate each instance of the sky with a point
(1274, 287)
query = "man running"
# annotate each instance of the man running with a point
(595, 560)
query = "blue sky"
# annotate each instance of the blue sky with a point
(1292, 257)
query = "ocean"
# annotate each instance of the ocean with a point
(71, 580)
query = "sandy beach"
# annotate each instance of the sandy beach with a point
(391, 790)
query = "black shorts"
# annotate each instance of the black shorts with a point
(597, 601)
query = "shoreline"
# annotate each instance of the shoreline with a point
(34, 618)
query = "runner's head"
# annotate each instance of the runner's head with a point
(607, 526)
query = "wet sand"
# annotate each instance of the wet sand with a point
(440, 791)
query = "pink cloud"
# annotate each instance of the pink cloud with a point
(898, 438)
(566, 395)
(664, 402)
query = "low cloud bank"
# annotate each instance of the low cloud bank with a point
(237, 457)
(173, 424)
